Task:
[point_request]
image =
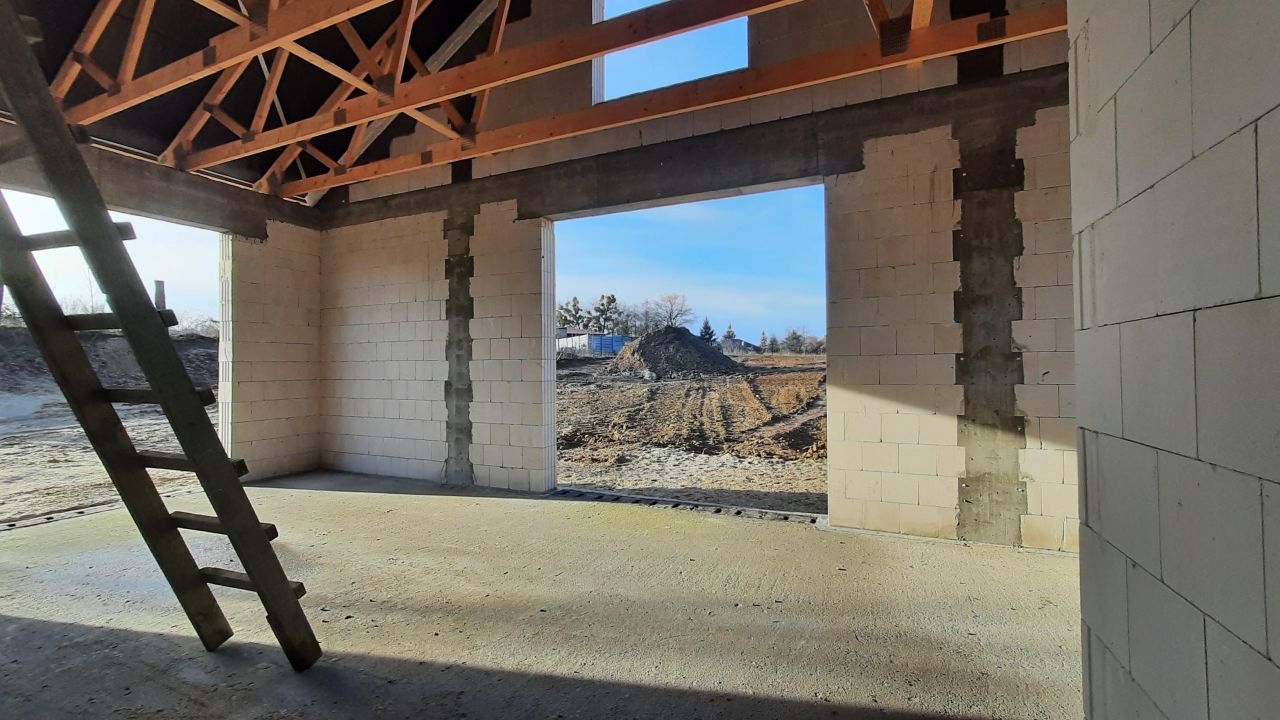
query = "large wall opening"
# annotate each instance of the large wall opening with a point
(691, 351)
(47, 467)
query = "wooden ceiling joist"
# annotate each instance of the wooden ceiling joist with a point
(921, 13)
(290, 22)
(651, 23)
(923, 44)
(88, 40)
(133, 47)
(269, 90)
(182, 141)
(335, 99)
(495, 44)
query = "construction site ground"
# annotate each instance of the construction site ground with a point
(755, 438)
(455, 603)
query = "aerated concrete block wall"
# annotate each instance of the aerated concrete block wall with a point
(950, 375)
(268, 399)
(893, 404)
(1176, 166)
(1045, 336)
(383, 334)
(513, 351)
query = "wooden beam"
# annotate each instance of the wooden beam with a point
(393, 68)
(220, 8)
(133, 47)
(432, 123)
(289, 23)
(367, 64)
(100, 76)
(366, 134)
(269, 91)
(921, 13)
(652, 23)
(332, 68)
(336, 98)
(195, 123)
(495, 44)
(88, 40)
(924, 44)
(878, 12)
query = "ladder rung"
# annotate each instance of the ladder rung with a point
(66, 238)
(240, 581)
(148, 396)
(211, 524)
(180, 463)
(109, 321)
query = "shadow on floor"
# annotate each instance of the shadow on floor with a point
(335, 481)
(61, 670)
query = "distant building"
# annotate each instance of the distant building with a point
(738, 346)
(565, 331)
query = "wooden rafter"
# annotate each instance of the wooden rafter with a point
(652, 23)
(878, 12)
(495, 44)
(367, 64)
(133, 47)
(921, 13)
(922, 44)
(88, 40)
(335, 99)
(365, 134)
(290, 22)
(331, 67)
(393, 69)
(269, 91)
(182, 141)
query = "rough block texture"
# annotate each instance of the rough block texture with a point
(1175, 355)
(269, 399)
(893, 401)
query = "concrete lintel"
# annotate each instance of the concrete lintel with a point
(151, 190)
(794, 149)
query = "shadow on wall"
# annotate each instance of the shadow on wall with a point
(61, 670)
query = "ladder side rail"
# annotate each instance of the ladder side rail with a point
(73, 188)
(70, 366)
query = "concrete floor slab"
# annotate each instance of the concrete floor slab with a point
(453, 605)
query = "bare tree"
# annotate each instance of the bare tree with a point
(671, 310)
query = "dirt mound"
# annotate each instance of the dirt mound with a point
(672, 353)
(23, 369)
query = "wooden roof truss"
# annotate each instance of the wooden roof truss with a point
(388, 78)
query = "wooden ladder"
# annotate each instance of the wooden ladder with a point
(52, 144)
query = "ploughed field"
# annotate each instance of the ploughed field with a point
(755, 438)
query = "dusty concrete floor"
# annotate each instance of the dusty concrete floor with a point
(474, 606)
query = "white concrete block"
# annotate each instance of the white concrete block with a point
(1211, 543)
(1097, 359)
(1269, 201)
(1093, 156)
(1271, 541)
(1153, 116)
(1242, 683)
(1158, 380)
(1166, 647)
(1234, 66)
(1127, 494)
(1236, 376)
(1103, 592)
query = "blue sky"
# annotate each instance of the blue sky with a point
(756, 261)
(185, 258)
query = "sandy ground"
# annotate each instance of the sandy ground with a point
(47, 465)
(756, 439)
(471, 605)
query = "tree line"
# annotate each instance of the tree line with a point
(609, 317)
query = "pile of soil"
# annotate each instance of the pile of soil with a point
(23, 369)
(671, 352)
